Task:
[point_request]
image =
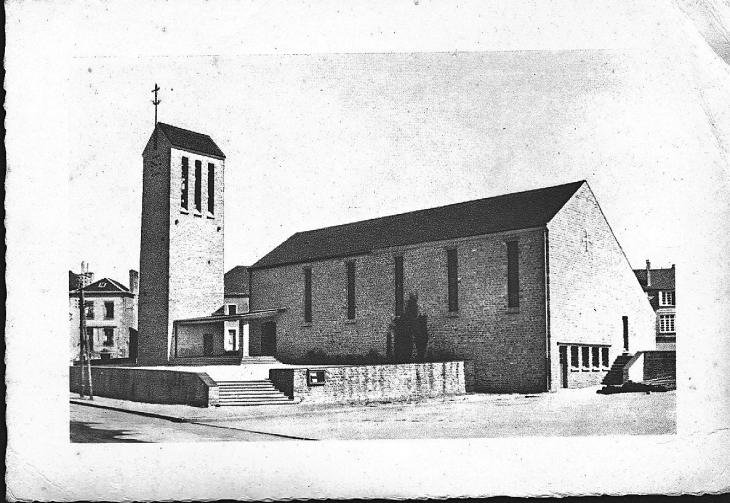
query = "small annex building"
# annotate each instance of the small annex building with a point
(658, 283)
(531, 287)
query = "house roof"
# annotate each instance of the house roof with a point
(190, 140)
(519, 210)
(235, 281)
(104, 285)
(661, 279)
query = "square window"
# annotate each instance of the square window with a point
(666, 298)
(666, 323)
(232, 308)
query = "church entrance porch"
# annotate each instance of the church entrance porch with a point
(222, 339)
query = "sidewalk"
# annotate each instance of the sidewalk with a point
(189, 414)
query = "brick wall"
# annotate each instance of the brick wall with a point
(181, 258)
(372, 383)
(590, 291)
(507, 346)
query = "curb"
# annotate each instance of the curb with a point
(130, 411)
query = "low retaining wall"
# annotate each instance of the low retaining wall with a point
(373, 383)
(150, 386)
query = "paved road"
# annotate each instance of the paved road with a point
(95, 425)
(566, 413)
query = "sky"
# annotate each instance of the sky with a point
(321, 139)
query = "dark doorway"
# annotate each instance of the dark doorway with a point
(268, 339)
(207, 344)
(563, 366)
(626, 333)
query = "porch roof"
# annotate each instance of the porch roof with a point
(251, 315)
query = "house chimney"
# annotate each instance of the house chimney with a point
(648, 273)
(133, 281)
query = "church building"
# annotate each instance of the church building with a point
(532, 288)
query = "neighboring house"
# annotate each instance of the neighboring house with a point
(110, 310)
(532, 287)
(659, 287)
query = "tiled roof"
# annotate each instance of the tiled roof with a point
(661, 279)
(520, 210)
(190, 140)
(105, 285)
(236, 280)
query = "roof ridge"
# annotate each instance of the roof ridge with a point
(433, 208)
(183, 129)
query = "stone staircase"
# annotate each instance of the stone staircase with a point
(616, 375)
(260, 392)
(202, 361)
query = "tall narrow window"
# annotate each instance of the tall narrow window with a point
(211, 188)
(585, 350)
(604, 357)
(307, 295)
(108, 336)
(574, 357)
(109, 310)
(198, 183)
(351, 290)
(513, 275)
(184, 184)
(89, 309)
(595, 357)
(398, 286)
(90, 338)
(452, 263)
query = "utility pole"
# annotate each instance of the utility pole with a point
(84, 349)
(82, 335)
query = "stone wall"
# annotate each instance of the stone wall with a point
(591, 286)
(150, 386)
(660, 365)
(373, 383)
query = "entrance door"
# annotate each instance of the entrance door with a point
(207, 344)
(268, 339)
(563, 366)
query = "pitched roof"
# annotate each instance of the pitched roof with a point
(190, 140)
(661, 279)
(236, 280)
(105, 285)
(519, 210)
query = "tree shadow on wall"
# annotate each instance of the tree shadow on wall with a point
(87, 433)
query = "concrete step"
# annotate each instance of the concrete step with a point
(260, 392)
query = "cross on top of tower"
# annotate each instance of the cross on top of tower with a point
(156, 102)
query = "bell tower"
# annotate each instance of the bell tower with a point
(181, 253)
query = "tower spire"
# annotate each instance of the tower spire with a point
(156, 102)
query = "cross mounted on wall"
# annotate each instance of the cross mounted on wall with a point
(586, 241)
